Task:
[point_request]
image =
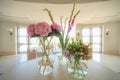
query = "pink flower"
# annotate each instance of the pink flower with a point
(31, 29)
(71, 25)
(56, 27)
(67, 53)
(42, 29)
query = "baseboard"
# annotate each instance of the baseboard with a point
(6, 53)
(112, 52)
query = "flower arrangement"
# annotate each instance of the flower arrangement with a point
(78, 50)
(43, 30)
(75, 52)
(64, 35)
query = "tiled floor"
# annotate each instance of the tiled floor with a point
(110, 61)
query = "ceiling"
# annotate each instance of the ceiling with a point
(91, 11)
(61, 1)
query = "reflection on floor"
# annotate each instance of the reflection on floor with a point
(110, 61)
(21, 58)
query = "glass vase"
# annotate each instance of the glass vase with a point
(45, 65)
(77, 69)
(62, 58)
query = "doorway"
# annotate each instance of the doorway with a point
(23, 43)
(93, 35)
(22, 40)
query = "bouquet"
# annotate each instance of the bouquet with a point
(44, 31)
(66, 27)
(76, 52)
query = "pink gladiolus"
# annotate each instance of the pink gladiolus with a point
(56, 27)
(31, 29)
(42, 29)
(71, 25)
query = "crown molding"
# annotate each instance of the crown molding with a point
(17, 19)
(107, 17)
(61, 1)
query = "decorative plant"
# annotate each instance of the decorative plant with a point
(75, 52)
(68, 25)
(78, 50)
(43, 30)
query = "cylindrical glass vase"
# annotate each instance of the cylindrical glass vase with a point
(45, 65)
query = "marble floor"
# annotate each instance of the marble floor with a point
(110, 61)
(7, 62)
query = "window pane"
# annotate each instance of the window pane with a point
(86, 32)
(86, 39)
(96, 39)
(96, 48)
(22, 31)
(22, 39)
(34, 41)
(96, 31)
(23, 48)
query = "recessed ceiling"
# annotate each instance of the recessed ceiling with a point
(91, 11)
(61, 1)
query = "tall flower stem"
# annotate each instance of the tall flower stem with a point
(64, 38)
(45, 46)
(63, 51)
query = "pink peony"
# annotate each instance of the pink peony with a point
(31, 29)
(43, 29)
(56, 27)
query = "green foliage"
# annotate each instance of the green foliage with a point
(76, 46)
(79, 50)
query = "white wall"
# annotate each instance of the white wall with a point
(119, 37)
(7, 41)
(111, 42)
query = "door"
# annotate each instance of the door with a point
(93, 35)
(24, 42)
